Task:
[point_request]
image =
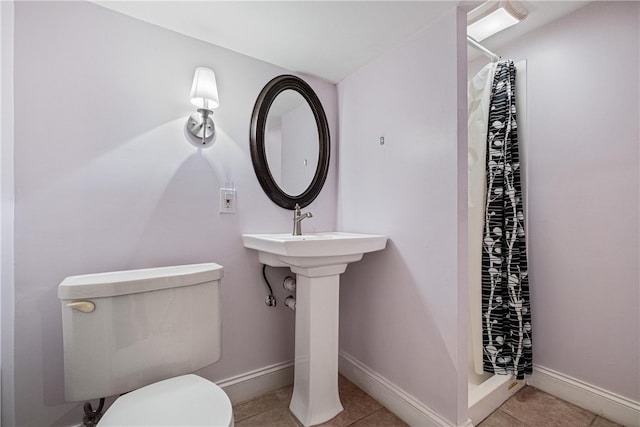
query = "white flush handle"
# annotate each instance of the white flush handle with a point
(83, 306)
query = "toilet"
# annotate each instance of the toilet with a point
(144, 333)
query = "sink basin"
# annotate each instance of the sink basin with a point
(330, 244)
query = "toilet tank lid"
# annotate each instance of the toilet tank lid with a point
(135, 281)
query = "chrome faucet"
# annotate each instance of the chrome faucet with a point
(297, 219)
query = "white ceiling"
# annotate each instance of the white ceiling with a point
(327, 39)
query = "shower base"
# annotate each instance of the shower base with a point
(487, 392)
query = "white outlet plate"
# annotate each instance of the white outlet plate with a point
(227, 200)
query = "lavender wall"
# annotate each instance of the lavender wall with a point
(105, 180)
(6, 210)
(399, 308)
(583, 184)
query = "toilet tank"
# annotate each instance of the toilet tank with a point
(125, 329)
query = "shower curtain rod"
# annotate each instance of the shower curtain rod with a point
(482, 49)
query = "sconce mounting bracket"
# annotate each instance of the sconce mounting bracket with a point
(200, 129)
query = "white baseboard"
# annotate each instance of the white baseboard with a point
(255, 383)
(594, 399)
(406, 407)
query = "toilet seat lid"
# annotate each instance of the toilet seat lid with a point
(187, 400)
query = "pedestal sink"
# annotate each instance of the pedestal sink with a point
(318, 259)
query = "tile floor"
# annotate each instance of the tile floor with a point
(531, 407)
(527, 408)
(272, 409)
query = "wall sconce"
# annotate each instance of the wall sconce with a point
(200, 129)
(494, 16)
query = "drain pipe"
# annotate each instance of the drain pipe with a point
(290, 302)
(289, 284)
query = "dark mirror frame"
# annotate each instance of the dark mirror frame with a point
(257, 145)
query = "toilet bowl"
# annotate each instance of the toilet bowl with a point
(187, 400)
(141, 334)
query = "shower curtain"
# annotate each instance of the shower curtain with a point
(506, 313)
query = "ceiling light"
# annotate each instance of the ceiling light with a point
(492, 17)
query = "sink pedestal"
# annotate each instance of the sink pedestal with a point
(315, 388)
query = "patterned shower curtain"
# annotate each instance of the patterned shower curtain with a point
(506, 313)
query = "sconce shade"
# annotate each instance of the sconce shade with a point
(204, 91)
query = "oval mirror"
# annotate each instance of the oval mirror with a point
(290, 144)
